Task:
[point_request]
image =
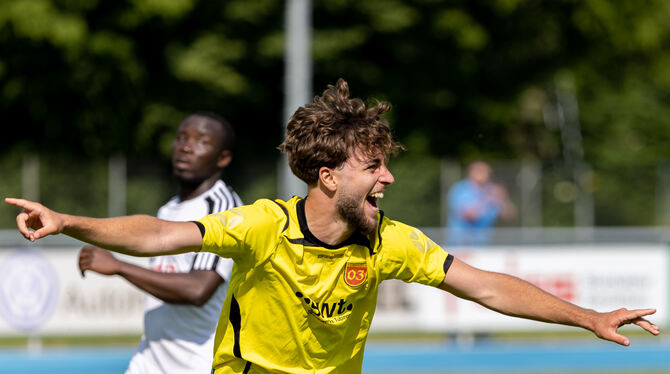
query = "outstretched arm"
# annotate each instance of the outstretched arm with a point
(133, 235)
(515, 297)
(195, 287)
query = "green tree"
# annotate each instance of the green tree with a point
(468, 79)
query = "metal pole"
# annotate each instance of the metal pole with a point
(297, 81)
(30, 177)
(573, 152)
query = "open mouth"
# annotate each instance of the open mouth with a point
(372, 198)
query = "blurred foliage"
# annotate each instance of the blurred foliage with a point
(95, 78)
(10, 185)
(70, 192)
(416, 189)
(469, 79)
(148, 186)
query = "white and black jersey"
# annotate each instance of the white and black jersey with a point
(219, 198)
(179, 338)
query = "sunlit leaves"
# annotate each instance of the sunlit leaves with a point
(164, 8)
(390, 15)
(627, 26)
(457, 24)
(207, 61)
(272, 45)
(329, 43)
(158, 119)
(251, 11)
(117, 47)
(40, 20)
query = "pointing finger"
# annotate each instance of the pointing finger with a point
(21, 220)
(21, 203)
(640, 312)
(643, 323)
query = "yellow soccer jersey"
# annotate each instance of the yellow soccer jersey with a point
(298, 305)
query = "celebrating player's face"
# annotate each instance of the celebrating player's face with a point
(196, 149)
(363, 180)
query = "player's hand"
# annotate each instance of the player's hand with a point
(98, 260)
(36, 221)
(607, 324)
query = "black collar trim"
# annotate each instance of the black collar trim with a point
(312, 241)
(379, 233)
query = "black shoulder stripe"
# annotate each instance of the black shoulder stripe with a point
(225, 201)
(228, 197)
(283, 208)
(447, 263)
(220, 199)
(210, 205)
(204, 261)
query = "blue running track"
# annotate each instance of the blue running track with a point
(410, 357)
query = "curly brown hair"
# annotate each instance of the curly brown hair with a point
(329, 130)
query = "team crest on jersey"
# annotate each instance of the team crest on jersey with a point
(355, 274)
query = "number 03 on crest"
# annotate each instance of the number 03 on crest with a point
(355, 274)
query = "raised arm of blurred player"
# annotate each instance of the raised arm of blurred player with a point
(515, 297)
(194, 287)
(134, 235)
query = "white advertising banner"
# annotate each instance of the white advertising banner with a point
(600, 277)
(42, 292)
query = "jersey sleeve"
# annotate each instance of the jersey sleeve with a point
(247, 233)
(409, 255)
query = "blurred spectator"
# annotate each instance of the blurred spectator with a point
(475, 205)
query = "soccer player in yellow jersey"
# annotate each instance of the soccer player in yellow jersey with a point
(304, 285)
